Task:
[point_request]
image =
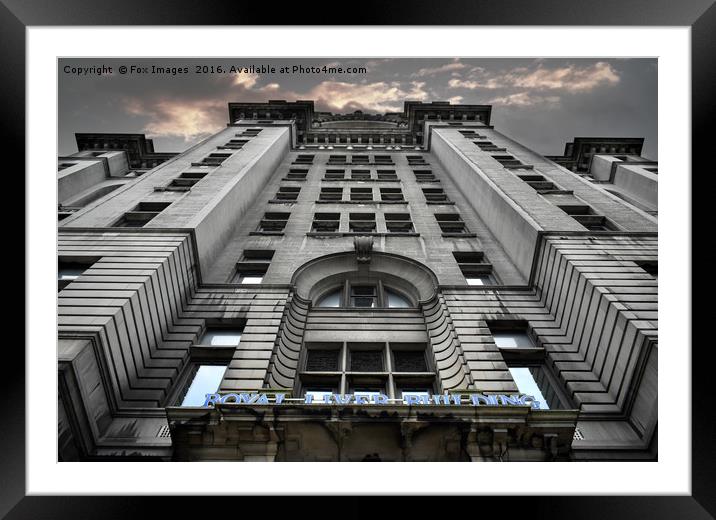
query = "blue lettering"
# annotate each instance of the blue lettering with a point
(211, 399)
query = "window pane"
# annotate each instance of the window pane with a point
(478, 280)
(206, 381)
(395, 300)
(69, 273)
(219, 337)
(526, 384)
(249, 279)
(367, 361)
(332, 299)
(361, 301)
(409, 361)
(322, 360)
(513, 339)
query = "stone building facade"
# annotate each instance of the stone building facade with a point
(358, 288)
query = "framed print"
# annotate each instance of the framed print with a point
(303, 247)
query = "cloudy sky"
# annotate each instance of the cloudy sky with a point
(542, 103)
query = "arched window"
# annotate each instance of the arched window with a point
(395, 300)
(331, 299)
(364, 295)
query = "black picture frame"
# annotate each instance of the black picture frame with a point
(700, 15)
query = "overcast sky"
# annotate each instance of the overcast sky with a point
(542, 103)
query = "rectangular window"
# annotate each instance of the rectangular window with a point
(394, 369)
(487, 146)
(326, 222)
(331, 194)
(206, 380)
(318, 360)
(587, 217)
(362, 194)
(511, 334)
(424, 176)
(253, 265)
(360, 175)
(296, 174)
(287, 193)
(435, 196)
(359, 159)
(507, 161)
(383, 159)
(538, 182)
(416, 160)
(391, 195)
(451, 223)
(361, 222)
(236, 144)
(475, 268)
(335, 175)
(214, 159)
(141, 214)
(337, 159)
(187, 179)
(251, 132)
(398, 223)
(363, 296)
(273, 222)
(387, 175)
(220, 337)
(304, 159)
(409, 361)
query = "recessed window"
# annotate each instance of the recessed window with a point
(359, 159)
(387, 175)
(364, 295)
(304, 159)
(273, 222)
(326, 222)
(221, 337)
(487, 146)
(337, 159)
(424, 176)
(362, 194)
(335, 175)
(252, 266)
(361, 222)
(435, 196)
(395, 300)
(214, 159)
(451, 224)
(206, 380)
(287, 193)
(141, 214)
(391, 195)
(360, 175)
(398, 223)
(382, 159)
(475, 268)
(508, 161)
(331, 194)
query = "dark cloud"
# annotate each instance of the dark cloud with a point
(540, 102)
